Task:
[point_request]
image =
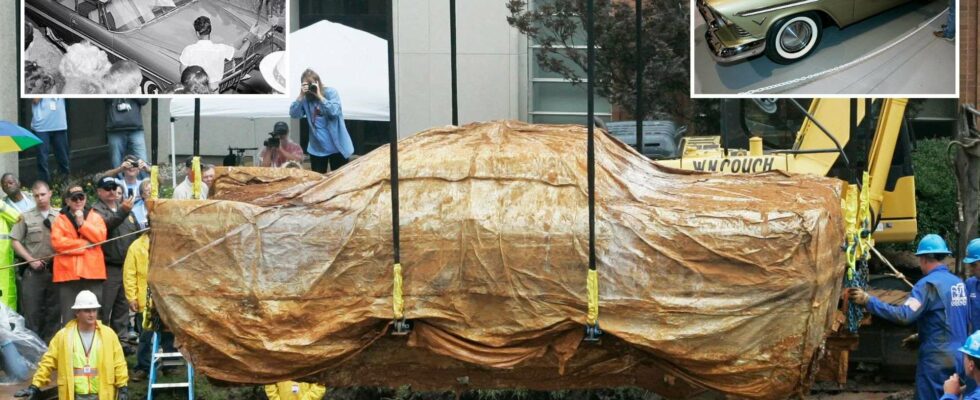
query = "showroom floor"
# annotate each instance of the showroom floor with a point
(920, 64)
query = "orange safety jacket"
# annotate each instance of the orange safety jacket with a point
(78, 263)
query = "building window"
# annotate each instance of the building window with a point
(556, 100)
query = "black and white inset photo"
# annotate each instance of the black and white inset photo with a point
(84, 48)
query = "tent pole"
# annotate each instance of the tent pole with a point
(197, 127)
(154, 130)
(173, 154)
(639, 76)
(452, 59)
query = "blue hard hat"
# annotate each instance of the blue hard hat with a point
(972, 252)
(971, 346)
(932, 244)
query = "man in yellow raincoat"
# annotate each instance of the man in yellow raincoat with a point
(87, 356)
(8, 275)
(290, 390)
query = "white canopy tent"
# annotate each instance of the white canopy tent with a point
(352, 61)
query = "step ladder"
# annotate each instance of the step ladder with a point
(175, 359)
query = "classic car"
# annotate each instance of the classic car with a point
(786, 31)
(153, 33)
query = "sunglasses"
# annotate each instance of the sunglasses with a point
(77, 197)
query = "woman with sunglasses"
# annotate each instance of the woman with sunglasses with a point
(83, 267)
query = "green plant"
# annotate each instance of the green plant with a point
(935, 189)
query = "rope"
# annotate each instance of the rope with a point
(847, 65)
(74, 250)
(897, 274)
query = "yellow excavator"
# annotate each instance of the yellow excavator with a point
(865, 142)
(836, 137)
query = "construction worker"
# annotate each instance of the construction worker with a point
(973, 283)
(971, 365)
(8, 275)
(87, 356)
(290, 390)
(938, 306)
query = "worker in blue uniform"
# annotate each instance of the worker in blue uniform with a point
(971, 365)
(973, 282)
(938, 306)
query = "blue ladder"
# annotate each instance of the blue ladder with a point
(159, 359)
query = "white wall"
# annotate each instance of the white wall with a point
(11, 73)
(490, 65)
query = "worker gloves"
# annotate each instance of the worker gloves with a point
(122, 393)
(858, 296)
(31, 393)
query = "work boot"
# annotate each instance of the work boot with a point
(942, 35)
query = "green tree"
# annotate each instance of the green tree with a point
(558, 25)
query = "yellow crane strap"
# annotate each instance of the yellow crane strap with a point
(397, 303)
(154, 182)
(592, 282)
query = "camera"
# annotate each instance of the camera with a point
(271, 142)
(312, 89)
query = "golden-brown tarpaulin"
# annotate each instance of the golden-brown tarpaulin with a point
(706, 281)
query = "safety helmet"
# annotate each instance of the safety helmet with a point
(86, 300)
(932, 244)
(971, 346)
(972, 252)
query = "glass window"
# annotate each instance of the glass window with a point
(124, 15)
(777, 122)
(539, 72)
(565, 97)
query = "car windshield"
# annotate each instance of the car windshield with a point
(123, 15)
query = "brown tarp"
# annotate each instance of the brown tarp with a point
(706, 281)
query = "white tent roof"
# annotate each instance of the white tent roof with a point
(352, 61)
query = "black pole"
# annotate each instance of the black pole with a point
(639, 76)
(393, 133)
(154, 130)
(197, 127)
(590, 124)
(452, 58)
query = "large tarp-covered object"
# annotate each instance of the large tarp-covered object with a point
(723, 282)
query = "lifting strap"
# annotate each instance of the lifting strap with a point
(196, 167)
(592, 279)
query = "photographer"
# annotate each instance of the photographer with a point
(130, 170)
(279, 149)
(330, 145)
(124, 124)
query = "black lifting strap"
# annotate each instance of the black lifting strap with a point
(592, 331)
(400, 326)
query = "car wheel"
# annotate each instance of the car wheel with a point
(793, 38)
(149, 86)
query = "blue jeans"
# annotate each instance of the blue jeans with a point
(122, 143)
(145, 347)
(58, 141)
(14, 365)
(950, 31)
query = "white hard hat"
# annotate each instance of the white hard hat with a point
(85, 300)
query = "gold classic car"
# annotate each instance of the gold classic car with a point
(787, 31)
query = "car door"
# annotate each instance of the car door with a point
(867, 8)
(91, 26)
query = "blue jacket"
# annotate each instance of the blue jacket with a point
(938, 306)
(328, 133)
(972, 396)
(973, 293)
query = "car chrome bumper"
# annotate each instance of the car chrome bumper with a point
(725, 54)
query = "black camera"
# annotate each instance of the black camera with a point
(271, 142)
(312, 89)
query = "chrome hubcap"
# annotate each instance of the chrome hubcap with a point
(796, 36)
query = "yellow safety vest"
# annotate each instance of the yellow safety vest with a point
(85, 367)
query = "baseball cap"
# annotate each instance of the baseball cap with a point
(280, 128)
(107, 183)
